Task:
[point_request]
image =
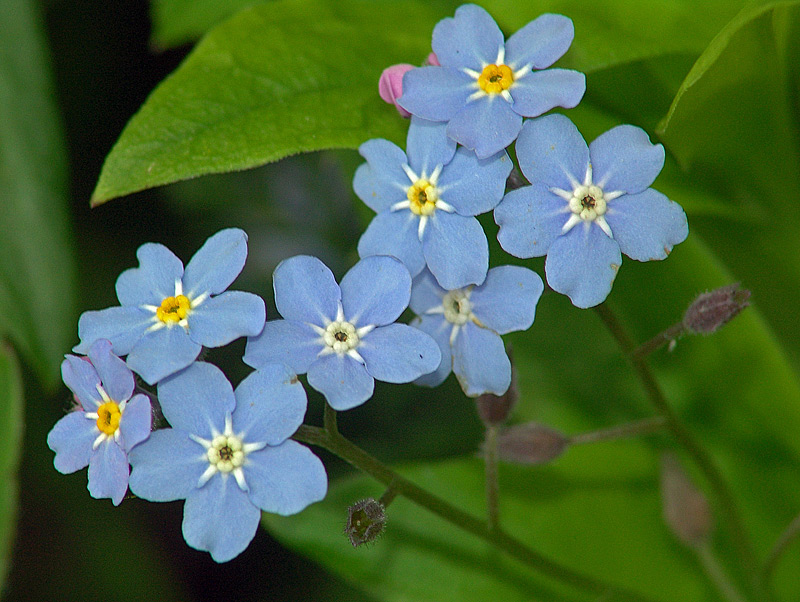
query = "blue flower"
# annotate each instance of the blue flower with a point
(426, 201)
(345, 338)
(109, 422)
(228, 454)
(467, 324)
(586, 204)
(168, 314)
(485, 86)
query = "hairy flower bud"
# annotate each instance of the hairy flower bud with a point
(712, 310)
(390, 85)
(365, 521)
(531, 443)
(686, 509)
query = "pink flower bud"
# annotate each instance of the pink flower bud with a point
(390, 85)
(531, 443)
(432, 60)
(712, 310)
(686, 510)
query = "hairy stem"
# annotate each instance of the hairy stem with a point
(791, 533)
(662, 338)
(492, 482)
(646, 426)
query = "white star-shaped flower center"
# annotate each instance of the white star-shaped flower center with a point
(496, 79)
(457, 309)
(341, 336)
(424, 196)
(174, 310)
(587, 202)
(107, 416)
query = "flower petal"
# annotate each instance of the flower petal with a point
(540, 43)
(507, 299)
(552, 151)
(226, 317)
(167, 466)
(375, 291)
(288, 342)
(305, 290)
(159, 269)
(456, 250)
(108, 472)
(394, 233)
(530, 219)
(343, 381)
(473, 186)
(439, 329)
(624, 159)
(116, 377)
(436, 93)
(161, 353)
(470, 39)
(197, 399)
(646, 225)
(428, 146)
(582, 264)
(425, 293)
(82, 379)
(540, 91)
(123, 326)
(486, 125)
(137, 421)
(270, 405)
(216, 264)
(285, 479)
(72, 438)
(398, 353)
(381, 181)
(480, 362)
(219, 518)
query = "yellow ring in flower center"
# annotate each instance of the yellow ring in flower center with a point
(495, 78)
(173, 309)
(422, 197)
(108, 416)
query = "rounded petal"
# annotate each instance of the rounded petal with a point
(375, 291)
(72, 438)
(196, 400)
(439, 329)
(486, 125)
(161, 353)
(226, 317)
(123, 326)
(425, 293)
(456, 250)
(474, 186)
(82, 379)
(540, 91)
(480, 362)
(436, 93)
(582, 264)
(270, 405)
(530, 219)
(167, 466)
(343, 381)
(219, 518)
(398, 353)
(108, 472)
(540, 43)
(394, 233)
(116, 377)
(624, 159)
(295, 344)
(470, 39)
(137, 421)
(381, 181)
(647, 225)
(285, 479)
(428, 146)
(507, 299)
(216, 264)
(552, 151)
(305, 290)
(159, 269)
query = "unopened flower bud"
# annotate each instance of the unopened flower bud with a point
(432, 60)
(365, 521)
(531, 443)
(712, 310)
(390, 85)
(686, 509)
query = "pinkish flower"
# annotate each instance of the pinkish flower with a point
(390, 85)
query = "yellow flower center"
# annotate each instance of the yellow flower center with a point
(422, 196)
(108, 416)
(495, 78)
(173, 309)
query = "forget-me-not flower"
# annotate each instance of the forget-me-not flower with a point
(467, 324)
(108, 424)
(169, 314)
(426, 200)
(344, 336)
(485, 85)
(228, 454)
(586, 204)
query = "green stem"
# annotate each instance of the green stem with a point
(645, 426)
(492, 480)
(786, 538)
(662, 338)
(716, 574)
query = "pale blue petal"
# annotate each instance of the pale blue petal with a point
(82, 379)
(507, 299)
(381, 182)
(394, 233)
(624, 159)
(167, 466)
(216, 264)
(123, 326)
(375, 291)
(226, 317)
(470, 39)
(480, 362)
(196, 400)
(305, 290)
(219, 518)
(161, 353)
(530, 219)
(436, 93)
(153, 280)
(456, 250)
(552, 151)
(438, 328)
(285, 479)
(270, 405)
(398, 353)
(342, 380)
(428, 146)
(295, 344)
(540, 91)
(116, 377)
(486, 125)
(72, 438)
(136, 421)
(425, 293)
(108, 472)
(646, 225)
(540, 43)
(474, 186)
(582, 264)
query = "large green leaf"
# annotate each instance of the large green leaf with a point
(176, 22)
(11, 425)
(37, 309)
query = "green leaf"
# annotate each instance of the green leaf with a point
(37, 305)
(177, 22)
(11, 423)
